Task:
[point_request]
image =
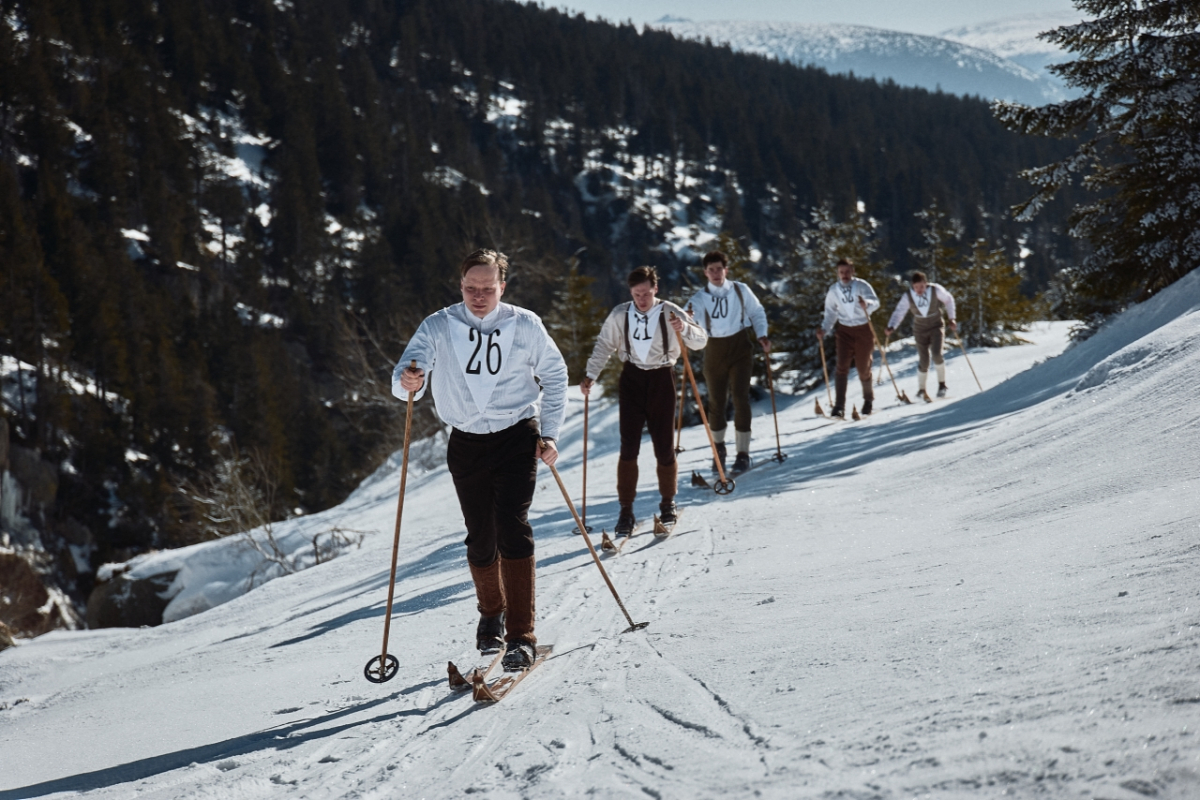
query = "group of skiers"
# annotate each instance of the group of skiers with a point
(500, 382)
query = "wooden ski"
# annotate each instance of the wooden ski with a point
(498, 689)
(459, 683)
(612, 548)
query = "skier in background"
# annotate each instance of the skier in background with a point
(485, 360)
(637, 332)
(848, 305)
(733, 317)
(926, 300)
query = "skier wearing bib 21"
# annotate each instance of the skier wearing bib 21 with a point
(729, 311)
(484, 360)
(637, 332)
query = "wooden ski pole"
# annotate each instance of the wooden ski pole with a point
(583, 503)
(633, 626)
(973, 375)
(901, 396)
(389, 665)
(825, 369)
(725, 485)
(886, 344)
(779, 456)
(679, 423)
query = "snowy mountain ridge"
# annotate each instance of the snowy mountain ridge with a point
(928, 62)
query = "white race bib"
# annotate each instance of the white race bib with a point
(482, 357)
(642, 329)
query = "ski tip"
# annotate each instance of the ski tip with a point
(820, 412)
(698, 481)
(854, 415)
(659, 528)
(606, 543)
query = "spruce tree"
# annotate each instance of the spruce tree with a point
(575, 319)
(1138, 68)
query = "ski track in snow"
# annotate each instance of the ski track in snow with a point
(989, 595)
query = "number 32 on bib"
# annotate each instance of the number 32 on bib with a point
(482, 357)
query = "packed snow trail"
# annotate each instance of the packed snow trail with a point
(991, 594)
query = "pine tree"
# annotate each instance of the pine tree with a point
(939, 259)
(987, 291)
(575, 319)
(1138, 68)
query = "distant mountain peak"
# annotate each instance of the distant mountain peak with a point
(668, 18)
(909, 59)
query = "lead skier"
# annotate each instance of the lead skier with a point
(485, 360)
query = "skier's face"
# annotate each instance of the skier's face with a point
(919, 287)
(845, 272)
(643, 295)
(482, 289)
(716, 272)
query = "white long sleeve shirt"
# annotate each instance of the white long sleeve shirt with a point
(728, 309)
(483, 371)
(626, 331)
(923, 301)
(841, 304)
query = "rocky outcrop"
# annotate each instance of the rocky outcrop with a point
(126, 602)
(27, 606)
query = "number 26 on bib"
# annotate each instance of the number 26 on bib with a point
(482, 357)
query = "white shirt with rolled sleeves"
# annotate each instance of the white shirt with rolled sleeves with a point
(923, 303)
(841, 304)
(725, 310)
(531, 355)
(612, 340)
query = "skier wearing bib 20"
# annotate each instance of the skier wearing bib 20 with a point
(733, 317)
(637, 332)
(926, 300)
(849, 303)
(484, 361)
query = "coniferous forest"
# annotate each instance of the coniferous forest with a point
(219, 219)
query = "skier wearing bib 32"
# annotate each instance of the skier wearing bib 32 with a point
(484, 360)
(849, 303)
(926, 300)
(729, 311)
(637, 332)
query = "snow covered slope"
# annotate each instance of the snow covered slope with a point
(906, 58)
(1016, 39)
(990, 595)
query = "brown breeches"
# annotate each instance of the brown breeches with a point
(728, 361)
(855, 348)
(929, 335)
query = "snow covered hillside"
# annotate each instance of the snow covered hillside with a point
(1016, 39)
(908, 59)
(992, 595)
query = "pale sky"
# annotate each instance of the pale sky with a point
(912, 16)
